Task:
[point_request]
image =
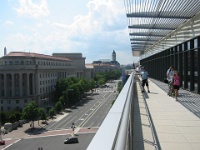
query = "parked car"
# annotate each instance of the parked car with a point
(68, 110)
(2, 142)
(71, 140)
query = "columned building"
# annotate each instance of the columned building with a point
(77, 60)
(26, 77)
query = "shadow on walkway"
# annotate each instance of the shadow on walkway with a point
(189, 100)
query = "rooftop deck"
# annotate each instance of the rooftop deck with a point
(159, 121)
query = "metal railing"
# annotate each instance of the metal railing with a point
(115, 133)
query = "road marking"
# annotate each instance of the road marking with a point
(11, 144)
(90, 115)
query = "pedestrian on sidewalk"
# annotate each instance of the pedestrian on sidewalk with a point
(144, 75)
(170, 75)
(176, 83)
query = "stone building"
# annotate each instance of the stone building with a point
(26, 77)
(77, 61)
(106, 65)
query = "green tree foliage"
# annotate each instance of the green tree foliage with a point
(84, 85)
(74, 93)
(52, 112)
(103, 77)
(30, 112)
(3, 118)
(62, 100)
(58, 107)
(91, 84)
(18, 116)
(12, 118)
(42, 114)
(61, 85)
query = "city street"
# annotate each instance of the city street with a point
(89, 113)
(52, 143)
(87, 118)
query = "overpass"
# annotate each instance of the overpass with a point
(163, 33)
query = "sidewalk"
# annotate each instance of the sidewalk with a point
(25, 130)
(177, 124)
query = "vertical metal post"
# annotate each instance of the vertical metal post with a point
(198, 58)
(185, 67)
(180, 55)
(191, 54)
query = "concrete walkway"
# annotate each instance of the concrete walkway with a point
(176, 127)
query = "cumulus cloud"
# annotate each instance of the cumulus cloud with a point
(95, 34)
(33, 10)
(8, 23)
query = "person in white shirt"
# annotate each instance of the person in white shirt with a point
(170, 75)
(144, 75)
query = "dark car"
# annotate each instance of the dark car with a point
(70, 140)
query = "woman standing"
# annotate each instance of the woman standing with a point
(176, 83)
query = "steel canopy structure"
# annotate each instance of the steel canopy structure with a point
(155, 25)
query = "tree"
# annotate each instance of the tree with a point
(58, 107)
(52, 112)
(2, 118)
(18, 116)
(30, 112)
(42, 114)
(61, 86)
(12, 118)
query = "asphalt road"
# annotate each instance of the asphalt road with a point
(90, 113)
(53, 143)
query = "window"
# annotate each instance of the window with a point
(17, 101)
(25, 100)
(1, 101)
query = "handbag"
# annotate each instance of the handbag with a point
(165, 80)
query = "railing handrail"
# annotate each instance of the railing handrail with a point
(110, 134)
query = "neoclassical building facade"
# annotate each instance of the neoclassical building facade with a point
(26, 77)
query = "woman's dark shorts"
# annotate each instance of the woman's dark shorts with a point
(145, 82)
(176, 87)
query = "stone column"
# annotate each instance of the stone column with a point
(33, 82)
(27, 84)
(5, 85)
(20, 85)
(37, 83)
(13, 84)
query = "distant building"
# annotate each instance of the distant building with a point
(77, 61)
(106, 65)
(26, 77)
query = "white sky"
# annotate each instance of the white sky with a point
(92, 27)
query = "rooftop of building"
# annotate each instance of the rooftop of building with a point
(34, 55)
